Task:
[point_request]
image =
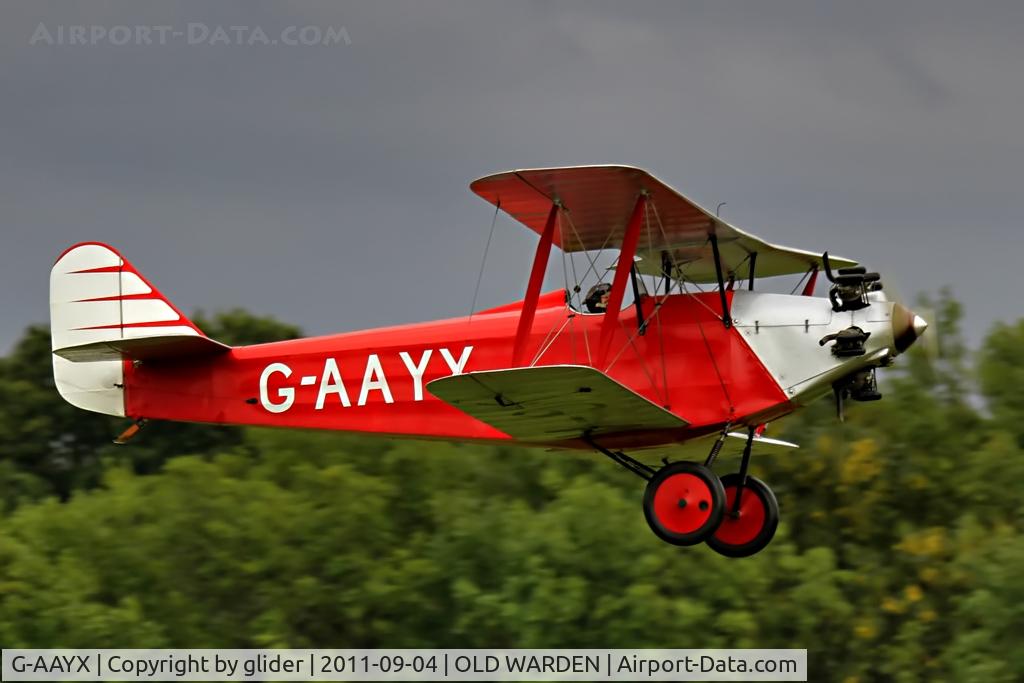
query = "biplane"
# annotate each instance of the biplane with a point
(671, 359)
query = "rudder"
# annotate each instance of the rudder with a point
(98, 296)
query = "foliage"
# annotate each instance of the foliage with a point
(50, 447)
(898, 557)
(1001, 374)
(238, 328)
(46, 445)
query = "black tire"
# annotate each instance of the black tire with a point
(754, 528)
(684, 503)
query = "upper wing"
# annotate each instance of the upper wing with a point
(599, 200)
(552, 403)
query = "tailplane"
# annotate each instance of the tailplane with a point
(103, 312)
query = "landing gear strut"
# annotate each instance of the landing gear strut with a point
(752, 513)
(686, 503)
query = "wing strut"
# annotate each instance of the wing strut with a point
(809, 287)
(726, 316)
(666, 272)
(641, 324)
(622, 270)
(540, 265)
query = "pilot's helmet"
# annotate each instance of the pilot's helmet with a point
(595, 301)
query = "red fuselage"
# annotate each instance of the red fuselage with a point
(375, 381)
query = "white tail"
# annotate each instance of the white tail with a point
(97, 297)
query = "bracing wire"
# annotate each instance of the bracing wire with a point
(593, 261)
(664, 366)
(578, 280)
(576, 287)
(550, 338)
(483, 261)
(568, 294)
(797, 286)
(681, 272)
(654, 318)
(639, 356)
(711, 355)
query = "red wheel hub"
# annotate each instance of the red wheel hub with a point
(744, 527)
(683, 503)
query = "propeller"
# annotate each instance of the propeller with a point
(928, 343)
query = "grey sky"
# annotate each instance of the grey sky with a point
(328, 185)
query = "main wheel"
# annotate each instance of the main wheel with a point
(684, 503)
(749, 531)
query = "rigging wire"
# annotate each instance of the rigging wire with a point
(639, 356)
(711, 355)
(664, 366)
(483, 261)
(657, 309)
(631, 337)
(593, 261)
(576, 288)
(682, 287)
(808, 272)
(576, 280)
(550, 339)
(568, 293)
(671, 253)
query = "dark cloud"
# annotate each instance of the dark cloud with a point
(327, 185)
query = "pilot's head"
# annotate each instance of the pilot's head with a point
(597, 298)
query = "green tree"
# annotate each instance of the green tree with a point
(1001, 376)
(48, 447)
(898, 556)
(238, 327)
